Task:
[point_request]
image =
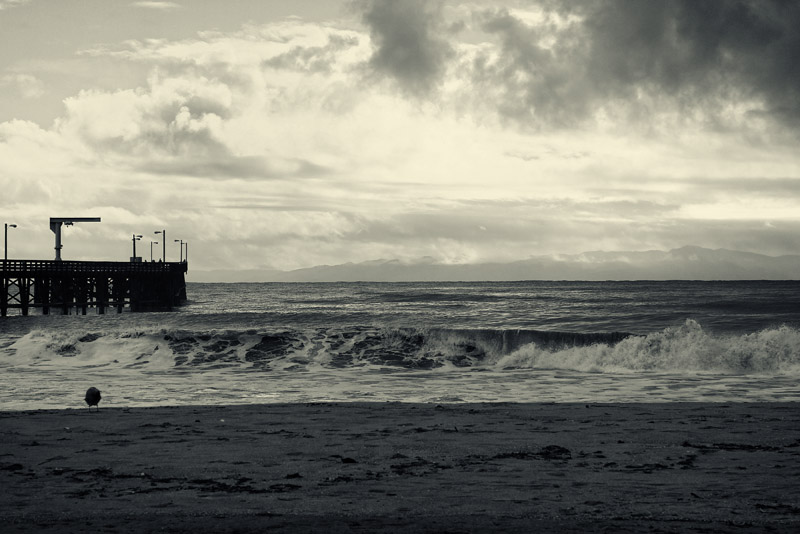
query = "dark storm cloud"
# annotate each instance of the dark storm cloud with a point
(535, 83)
(700, 48)
(409, 45)
(701, 54)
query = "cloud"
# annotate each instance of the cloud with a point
(265, 145)
(212, 120)
(222, 105)
(154, 4)
(229, 166)
(288, 43)
(313, 58)
(8, 4)
(408, 43)
(176, 117)
(720, 64)
(29, 86)
(729, 51)
(175, 126)
(535, 74)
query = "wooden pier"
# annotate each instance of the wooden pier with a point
(63, 286)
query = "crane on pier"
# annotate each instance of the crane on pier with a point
(57, 222)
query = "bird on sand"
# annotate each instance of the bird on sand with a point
(93, 397)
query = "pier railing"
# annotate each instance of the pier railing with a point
(13, 267)
(66, 285)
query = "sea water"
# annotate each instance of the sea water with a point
(418, 342)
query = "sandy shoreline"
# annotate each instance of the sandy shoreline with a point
(362, 467)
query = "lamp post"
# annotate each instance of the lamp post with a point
(151, 249)
(134, 239)
(163, 244)
(181, 242)
(5, 242)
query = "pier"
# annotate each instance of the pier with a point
(63, 286)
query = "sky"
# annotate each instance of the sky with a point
(289, 134)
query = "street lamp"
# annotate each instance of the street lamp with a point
(181, 242)
(163, 244)
(5, 242)
(134, 239)
(151, 249)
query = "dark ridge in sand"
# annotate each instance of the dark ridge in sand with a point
(366, 467)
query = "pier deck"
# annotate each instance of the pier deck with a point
(63, 286)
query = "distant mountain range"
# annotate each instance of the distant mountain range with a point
(686, 263)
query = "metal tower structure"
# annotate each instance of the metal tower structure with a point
(57, 222)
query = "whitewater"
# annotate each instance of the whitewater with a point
(418, 342)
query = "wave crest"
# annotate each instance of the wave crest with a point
(683, 348)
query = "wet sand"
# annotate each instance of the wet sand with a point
(390, 467)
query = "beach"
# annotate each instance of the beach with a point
(402, 467)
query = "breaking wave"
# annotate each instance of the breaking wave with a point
(684, 348)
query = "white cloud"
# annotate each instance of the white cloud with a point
(8, 4)
(27, 85)
(155, 4)
(251, 46)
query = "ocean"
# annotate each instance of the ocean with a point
(418, 342)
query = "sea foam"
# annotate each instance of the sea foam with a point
(686, 348)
